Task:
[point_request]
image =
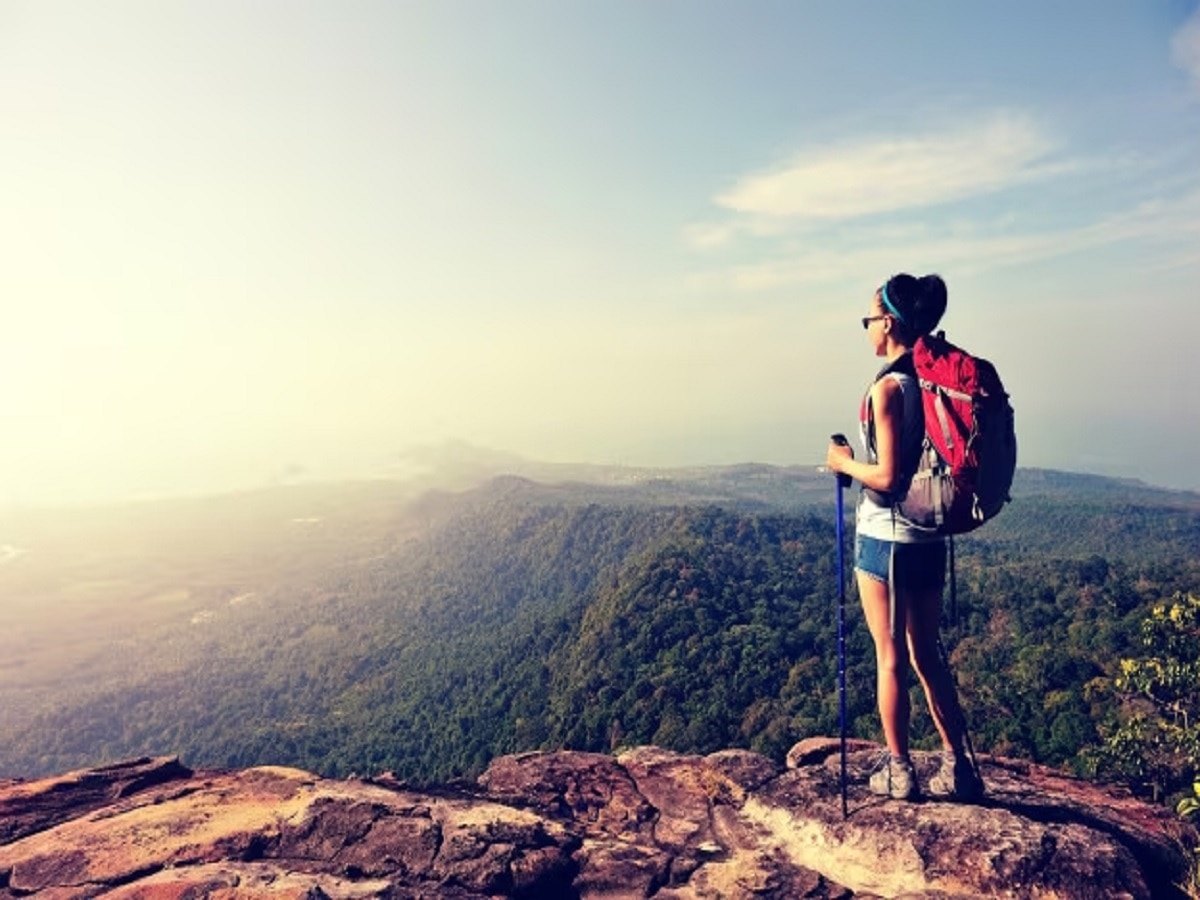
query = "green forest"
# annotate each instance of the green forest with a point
(440, 631)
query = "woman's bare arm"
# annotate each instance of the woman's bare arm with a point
(887, 402)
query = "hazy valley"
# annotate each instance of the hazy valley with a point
(424, 630)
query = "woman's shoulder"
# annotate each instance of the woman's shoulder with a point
(889, 386)
(898, 394)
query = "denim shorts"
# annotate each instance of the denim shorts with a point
(920, 566)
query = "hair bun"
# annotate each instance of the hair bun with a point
(930, 303)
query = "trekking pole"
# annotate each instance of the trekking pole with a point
(842, 481)
(945, 660)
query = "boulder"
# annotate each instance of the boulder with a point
(647, 822)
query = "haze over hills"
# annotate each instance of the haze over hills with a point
(424, 626)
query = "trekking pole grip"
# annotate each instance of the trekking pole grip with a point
(843, 479)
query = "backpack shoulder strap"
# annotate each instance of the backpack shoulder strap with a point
(901, 365)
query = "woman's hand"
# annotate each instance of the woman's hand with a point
(838, 455)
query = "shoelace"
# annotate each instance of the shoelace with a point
(881, 762)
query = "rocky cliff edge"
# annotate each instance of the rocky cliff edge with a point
(645, 823)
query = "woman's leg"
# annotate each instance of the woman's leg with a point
(924, 608)
(891, 661)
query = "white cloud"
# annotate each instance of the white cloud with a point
(898, 173)
(1185, 47)
(704, 235)
(845, 257)
(836, 212)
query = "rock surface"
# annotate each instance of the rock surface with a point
(646, 823)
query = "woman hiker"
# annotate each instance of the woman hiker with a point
(903, 616)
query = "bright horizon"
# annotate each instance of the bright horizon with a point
(244, 243)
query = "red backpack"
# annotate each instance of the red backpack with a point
(969, 453)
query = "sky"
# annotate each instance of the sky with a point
(245, 242)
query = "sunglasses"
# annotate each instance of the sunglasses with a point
(867, 320)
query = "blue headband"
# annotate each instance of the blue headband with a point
(888, 303)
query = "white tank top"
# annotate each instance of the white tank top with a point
(874, 519)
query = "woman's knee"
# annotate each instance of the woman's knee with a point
(892, 659)
(925, 657)
(931, 670)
